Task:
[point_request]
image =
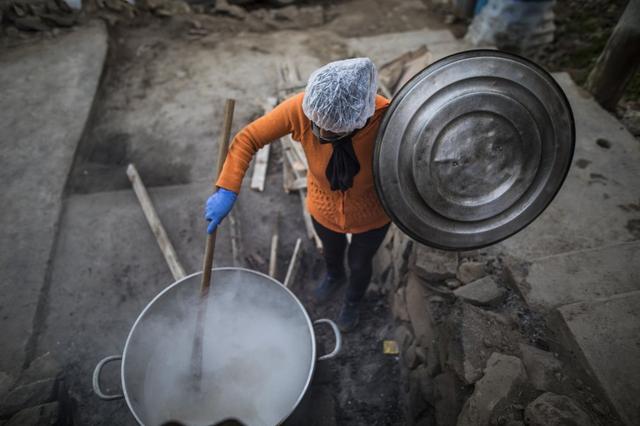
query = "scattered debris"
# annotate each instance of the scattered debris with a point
(28, 395)
(481, 292)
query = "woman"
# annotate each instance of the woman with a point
(336, 119)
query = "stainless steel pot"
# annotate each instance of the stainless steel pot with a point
(259, 353)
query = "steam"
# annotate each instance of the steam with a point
(256, 354)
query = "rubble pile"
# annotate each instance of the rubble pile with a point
(40, 15)
(471, 351)
(48, 16)
(38, 397)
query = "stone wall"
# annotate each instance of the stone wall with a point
(471, 352)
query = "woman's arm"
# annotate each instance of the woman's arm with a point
(271, 126)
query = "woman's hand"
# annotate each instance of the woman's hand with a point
(218, 207)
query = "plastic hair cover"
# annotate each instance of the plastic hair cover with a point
(341, 95)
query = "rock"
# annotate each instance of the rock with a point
(541, 367)
(426, 384)
(417, 403)
(29, 395)
(449, 397)
(452, 283)
(403, 336)
(59, 20)
(469, 336)
(400, 306)
(223, 6)
(502, 380)
(470, 271)
(41, 415)
(435, 265)
(41, 368)
(550, 409)
(410, 357)
(417, 308)
(481, 292)
(6, 381)
(300, 16)
(30, 23)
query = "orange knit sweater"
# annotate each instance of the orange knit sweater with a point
(356, 210)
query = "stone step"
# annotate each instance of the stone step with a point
(582, 275)
(47, 90)
(605, 334)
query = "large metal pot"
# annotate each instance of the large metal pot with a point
(259, 353)
(472, 149)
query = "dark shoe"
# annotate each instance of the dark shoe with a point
(327, 287)
(349, 316)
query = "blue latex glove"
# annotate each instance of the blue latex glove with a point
(218, 206)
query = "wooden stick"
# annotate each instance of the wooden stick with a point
(273, 254)
(222, 155)
(154, 222)
(293, 263)
(197, 349)
(235, 239)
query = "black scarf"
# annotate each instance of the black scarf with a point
(343, 164)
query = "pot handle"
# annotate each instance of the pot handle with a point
(96, 378)
(336, 332)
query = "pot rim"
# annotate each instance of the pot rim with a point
(180, 281)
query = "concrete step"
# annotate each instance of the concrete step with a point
(582, 275)
(605, 334)
(47, 92)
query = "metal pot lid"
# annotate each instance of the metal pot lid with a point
(473, 149)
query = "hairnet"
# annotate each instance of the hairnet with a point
(341, 95)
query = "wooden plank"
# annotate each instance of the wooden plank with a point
(308, 224)
(261, 161)
(298, 184)
(299, 151)
(293, 263)
(260, 168)
(287, 175)
(297, 166)
(154, 222)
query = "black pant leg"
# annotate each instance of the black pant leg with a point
(361, 251)
(334, 244)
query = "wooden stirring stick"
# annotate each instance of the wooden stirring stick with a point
(197, 353)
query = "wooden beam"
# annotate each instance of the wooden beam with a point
(261, 161)
(260, 168)
(154, 222)
(293, 263)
